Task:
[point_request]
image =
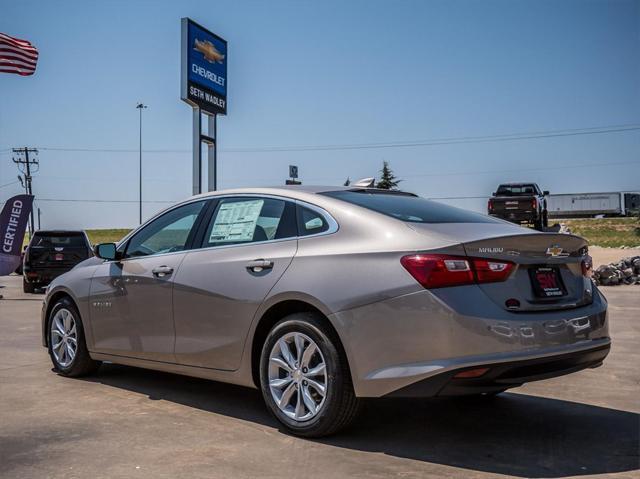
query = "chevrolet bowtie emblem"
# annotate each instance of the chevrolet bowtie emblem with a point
(555, 250)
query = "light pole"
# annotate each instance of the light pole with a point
(140, 107)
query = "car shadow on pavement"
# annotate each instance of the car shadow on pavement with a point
(514, 434)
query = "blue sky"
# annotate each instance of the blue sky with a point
(323, 73)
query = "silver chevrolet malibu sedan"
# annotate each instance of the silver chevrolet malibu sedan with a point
(320, 296)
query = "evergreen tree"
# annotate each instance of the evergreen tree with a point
(348, 182)
(388, 181)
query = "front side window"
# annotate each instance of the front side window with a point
(250, 220)
(166, 234)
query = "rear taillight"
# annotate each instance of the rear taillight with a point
(489, 271)
(534, 204)
(587, 267)
(490, 206)
(439, 271)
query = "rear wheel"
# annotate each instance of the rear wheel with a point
(27, 287)
(305, 378)
(66, 341)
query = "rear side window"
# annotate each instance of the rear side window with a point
(409, 208)
(250, 220)
(51, 240)
(516, 190)
(310, 222)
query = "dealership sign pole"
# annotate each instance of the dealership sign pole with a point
(204, 86)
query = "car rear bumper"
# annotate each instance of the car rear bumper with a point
(43, 276)
(516, 217)
(507, 374)
(395, 343)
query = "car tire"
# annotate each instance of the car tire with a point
(301, 377)
(64, 327)
(537, 224)
(28, 287)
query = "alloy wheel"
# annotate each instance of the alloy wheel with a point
(297, 376)
(64, 337)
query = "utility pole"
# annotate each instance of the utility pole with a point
(24, 165)
(140, 107)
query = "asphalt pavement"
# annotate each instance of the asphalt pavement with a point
(131, 423)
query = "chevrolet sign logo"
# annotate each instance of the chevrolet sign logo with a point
(555, 250)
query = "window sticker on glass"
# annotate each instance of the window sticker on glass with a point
(236, 221)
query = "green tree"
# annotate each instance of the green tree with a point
(347, 182)
(388, 181)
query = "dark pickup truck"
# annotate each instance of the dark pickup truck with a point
(51, 253)
(520, 203)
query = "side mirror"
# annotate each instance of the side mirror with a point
(545, 192)
(493, 194)
(105, 251)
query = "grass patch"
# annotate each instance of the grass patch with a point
(106, 236)
(608, 232)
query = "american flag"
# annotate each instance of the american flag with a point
(17, 56)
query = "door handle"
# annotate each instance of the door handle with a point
(258, 265)
(162, 271)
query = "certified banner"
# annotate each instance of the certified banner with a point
(13, 223)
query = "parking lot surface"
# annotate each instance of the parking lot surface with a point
(128, 422)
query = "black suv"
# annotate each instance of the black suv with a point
(51, 253)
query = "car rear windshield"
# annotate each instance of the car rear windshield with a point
(58, 239)
(516, 190)
(406, 207)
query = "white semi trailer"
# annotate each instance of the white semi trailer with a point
(590, 204)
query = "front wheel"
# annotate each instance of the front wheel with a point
(305, 378)
(66, 342)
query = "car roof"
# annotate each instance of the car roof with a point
(300, 192)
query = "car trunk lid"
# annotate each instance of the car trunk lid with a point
(57, 250)
(548, 273)
(548, 266)
(504, 206)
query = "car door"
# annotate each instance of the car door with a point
(246, 246)
(130, 299)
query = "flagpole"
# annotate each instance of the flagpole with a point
(140, 107)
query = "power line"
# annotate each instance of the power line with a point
(9, 184)
(467, 173)
(518, 170)
(75, 200)
(109, 150)
(445, 141)
(398, 144)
